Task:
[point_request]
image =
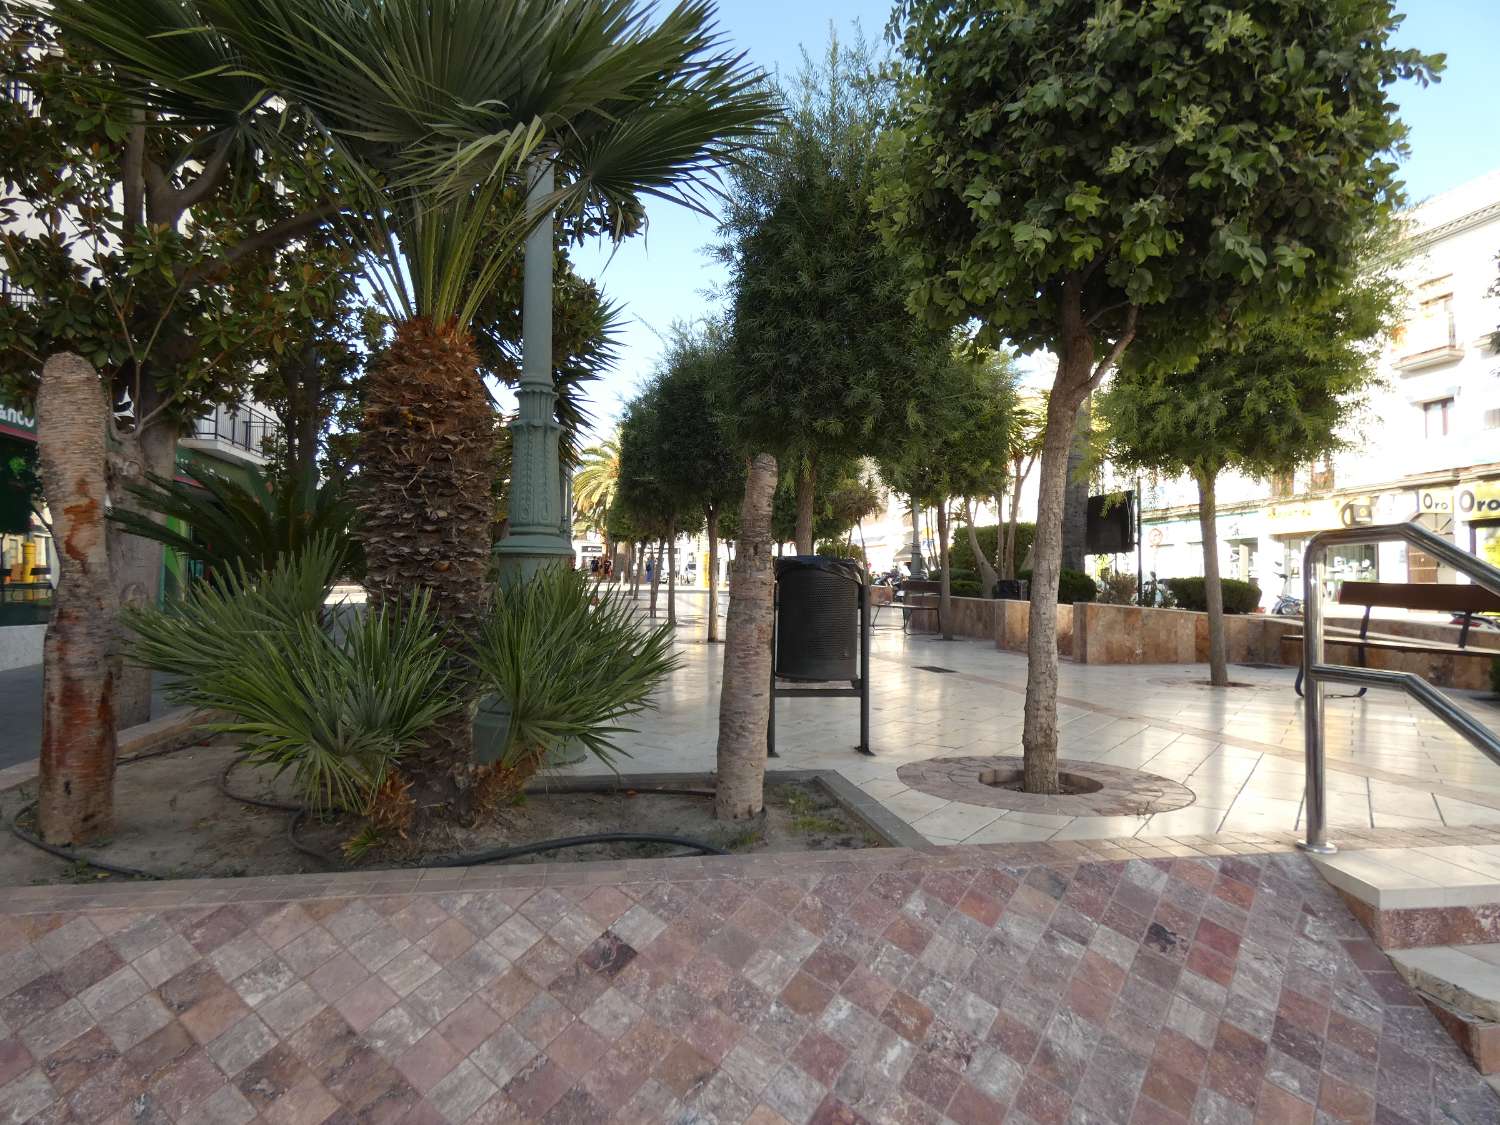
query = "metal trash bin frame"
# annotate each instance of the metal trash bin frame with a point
(858, 687)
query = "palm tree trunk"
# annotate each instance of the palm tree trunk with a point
(806, 491)
(672, 573)
(987, 575)
(744, 699)
(713, 575)
(427, 463)
(1213, 589)
(80, 657)
(945, 583)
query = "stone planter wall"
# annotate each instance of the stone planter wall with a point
(1093, 633)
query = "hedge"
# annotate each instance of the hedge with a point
(1239, 597)
(1072, 586)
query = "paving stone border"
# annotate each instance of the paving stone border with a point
(1121, 792)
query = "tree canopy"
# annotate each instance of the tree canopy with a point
(1283, 397)
(1149, 166)
(823, 343)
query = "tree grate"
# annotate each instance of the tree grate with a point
(935, 668)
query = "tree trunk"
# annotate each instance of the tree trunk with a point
(1039, 732)
(713, 575)
(135, 563)
(1076, 502)
(744, 699)
(918, 567)
(672, 573)
(80, 658)
(987, 575)
(1014, 525)
(427, 462)
(945, 583)
(807, 482)
(656, 575)
(1213, 590)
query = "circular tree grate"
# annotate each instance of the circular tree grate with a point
(1089, 788)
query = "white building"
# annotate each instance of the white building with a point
(1428, 447)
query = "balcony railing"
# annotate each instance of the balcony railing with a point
(243, 427)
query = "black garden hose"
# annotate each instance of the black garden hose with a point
(299, 814)
(70, 855)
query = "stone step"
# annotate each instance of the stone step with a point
(1421, 896)
(1461, 984)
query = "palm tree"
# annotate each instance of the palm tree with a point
(443, 108)
(596, 481)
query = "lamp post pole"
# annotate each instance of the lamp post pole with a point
(539, 525)
(918, 567)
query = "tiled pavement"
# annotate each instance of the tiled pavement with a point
(1037, 983)
(1392, 764)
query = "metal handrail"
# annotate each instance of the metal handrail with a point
(1315, 672)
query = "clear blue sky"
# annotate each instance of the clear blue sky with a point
(665, 276)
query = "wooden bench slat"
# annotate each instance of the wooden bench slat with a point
(1439, 597)
(1436, 648)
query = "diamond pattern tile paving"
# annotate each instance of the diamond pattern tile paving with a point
(963, 986)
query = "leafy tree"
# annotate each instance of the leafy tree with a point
(823, 342)
(124, 235)
(958, 423)
(844, 493)
(696, 465)
(1084, 178)
(1282, 398)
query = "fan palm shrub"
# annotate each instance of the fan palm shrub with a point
(569, 666)
(446, 110)
(334, 704)
(242, 524)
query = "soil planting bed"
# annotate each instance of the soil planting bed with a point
(173, 820)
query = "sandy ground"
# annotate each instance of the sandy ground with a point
(172, 819)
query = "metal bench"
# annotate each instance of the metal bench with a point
(1465, 601)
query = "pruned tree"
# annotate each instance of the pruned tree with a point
(954, 444)
(1284, 396)
(823, 341)
(697, 465)
(1087, 179)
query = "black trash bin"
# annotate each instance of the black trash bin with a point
(817, 627)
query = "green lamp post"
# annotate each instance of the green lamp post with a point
(540, 525)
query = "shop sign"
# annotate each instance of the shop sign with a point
(1479, 500)
(14, 421)
(1301, 515)
(1438, 501)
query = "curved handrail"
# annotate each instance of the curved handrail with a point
(1315, 671)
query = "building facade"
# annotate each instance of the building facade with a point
(1427, 448)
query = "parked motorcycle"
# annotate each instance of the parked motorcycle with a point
(1287, 605)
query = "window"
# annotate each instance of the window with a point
(1429, 336)
(1492, 419)
(1436, 416)
(1321, 473)
(1283, 485)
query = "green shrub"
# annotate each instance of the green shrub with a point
(962, 557)
(1189, 593)
(840, 549)
(964, 584)
(249, 524)
(1072, 586)
(335, 708)
(1117, 587)
(569, 664)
